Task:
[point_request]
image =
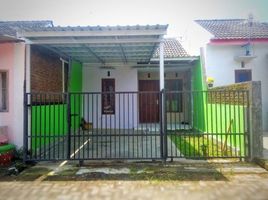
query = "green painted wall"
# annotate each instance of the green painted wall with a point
(198, 95)
(76, 82)
(215, 119)
(51, 120)
(76, 78)
(221, 117)
(48, 120)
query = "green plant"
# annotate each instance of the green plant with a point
(210, 80)
(204, 149)
(18, 154)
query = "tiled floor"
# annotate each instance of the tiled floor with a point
(126, 144)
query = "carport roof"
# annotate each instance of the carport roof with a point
(9, 29)
(99, 44)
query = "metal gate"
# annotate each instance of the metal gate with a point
(106, 126)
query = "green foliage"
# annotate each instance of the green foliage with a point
(202, 146)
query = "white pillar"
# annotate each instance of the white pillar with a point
(162, 106)
(161, 62)
(28, 67)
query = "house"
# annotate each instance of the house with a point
(12, 65)
(117, 92)
(238, 52)
(91, 59)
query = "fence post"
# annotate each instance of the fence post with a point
(25, 128)
(163, 134)
(255, 121)
(68, 126)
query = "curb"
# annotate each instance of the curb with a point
(261, 162)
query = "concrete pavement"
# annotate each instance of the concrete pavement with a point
(201, 180)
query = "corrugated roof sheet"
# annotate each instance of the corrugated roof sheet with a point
(172, 49)
(235, 28)
(10, 28)
(99, 28)
(139, 51)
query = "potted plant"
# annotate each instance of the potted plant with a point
(210, 82)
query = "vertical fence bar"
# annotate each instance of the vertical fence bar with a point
(124, 125)
(45, 125)
(49, 124)
(25, 127)
(68, 125)
(110, 126)
(248, 142)
(165, 126)
(133, 124)
(236, 119)
(161, 125)
(93, 123)
(97, 123)
(239, 120)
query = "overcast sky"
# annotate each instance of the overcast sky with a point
(179, 14)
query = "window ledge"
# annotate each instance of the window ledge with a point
(244, 58)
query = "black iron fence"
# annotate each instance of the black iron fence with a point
(136, 125)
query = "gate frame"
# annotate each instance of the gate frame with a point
(254, 113)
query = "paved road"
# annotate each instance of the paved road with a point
(242, 181)
(238, 187)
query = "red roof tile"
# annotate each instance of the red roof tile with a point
(172, 49)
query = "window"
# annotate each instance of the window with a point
(3, 91)
(65, 77)
(108, 98)
(173, 99)
(243, 75)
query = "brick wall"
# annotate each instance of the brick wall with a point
(235, 94)
(46, 70)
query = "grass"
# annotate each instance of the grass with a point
(201, 146)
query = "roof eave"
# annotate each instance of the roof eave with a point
(188, 58)
(9, 39)
(237, 41)
(103, 31)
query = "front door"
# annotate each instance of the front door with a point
(149, 101)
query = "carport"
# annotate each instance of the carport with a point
(105, 47)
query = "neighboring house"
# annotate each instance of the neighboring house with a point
(12, 65)
(91, 59)
(238, 52)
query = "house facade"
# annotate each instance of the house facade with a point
(143, 78)
(238, 52)
(120, 92)
(100, 59)
(12, 76)
(12, 71)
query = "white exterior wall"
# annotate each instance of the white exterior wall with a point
(12, 59)
(220, 65)
(125, 80)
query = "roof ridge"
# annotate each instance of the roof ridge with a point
(25, 21)
(231, 19)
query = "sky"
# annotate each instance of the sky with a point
(179, 14)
